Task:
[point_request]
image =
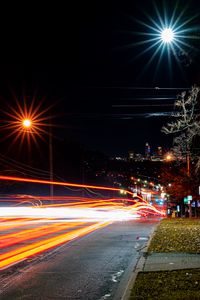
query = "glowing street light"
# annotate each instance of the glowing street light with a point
(167, 35)
(27, 123)
(169, 157)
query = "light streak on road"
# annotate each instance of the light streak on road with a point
(59, 220)
(28, 228)
(59, 183)
(22, 253)
(11, 222)
(29, 234)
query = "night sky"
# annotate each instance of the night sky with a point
(85, 59)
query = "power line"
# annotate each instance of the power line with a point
(138, 88)
(148, 98)
(142, 105)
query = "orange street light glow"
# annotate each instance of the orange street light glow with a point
(27, 123)
(169, 157)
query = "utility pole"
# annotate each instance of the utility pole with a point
(188, 174)
(188, 162)
(51, 160)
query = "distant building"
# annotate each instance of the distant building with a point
(159, 151)
(130, 155)
(119, 158)
(147, 151)
(138, 157)
(156, 158)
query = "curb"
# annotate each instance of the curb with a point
(139, 268)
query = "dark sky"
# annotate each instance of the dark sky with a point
(84, 58)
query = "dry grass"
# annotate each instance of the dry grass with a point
(173, 285)
(177, 235)
(172, 235)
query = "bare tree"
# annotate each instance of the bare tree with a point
(186, 124)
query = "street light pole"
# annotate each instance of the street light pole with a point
(188, 174)
(27, 124)
(51, 161)
(188, 163)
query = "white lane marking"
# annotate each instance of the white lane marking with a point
(117, 275)
(142, 238)
(106, 296)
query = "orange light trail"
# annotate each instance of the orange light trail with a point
(21, 179)
(72, 218)
(38, 237)
(22, 253)
(29, 234)
(9, 223)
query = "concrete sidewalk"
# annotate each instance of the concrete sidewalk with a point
(170, 261)
(161, 262)
(152, 262)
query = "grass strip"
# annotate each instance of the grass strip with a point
(172, 235)
(173, 285)
(177, 235)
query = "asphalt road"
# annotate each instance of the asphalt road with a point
(94, 267)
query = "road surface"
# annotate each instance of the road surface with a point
(93, 267)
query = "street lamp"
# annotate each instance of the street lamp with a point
(27, 123)
(168, 157)
(167, 35)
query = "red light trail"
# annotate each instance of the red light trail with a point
(43, 225)
(21, 179)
